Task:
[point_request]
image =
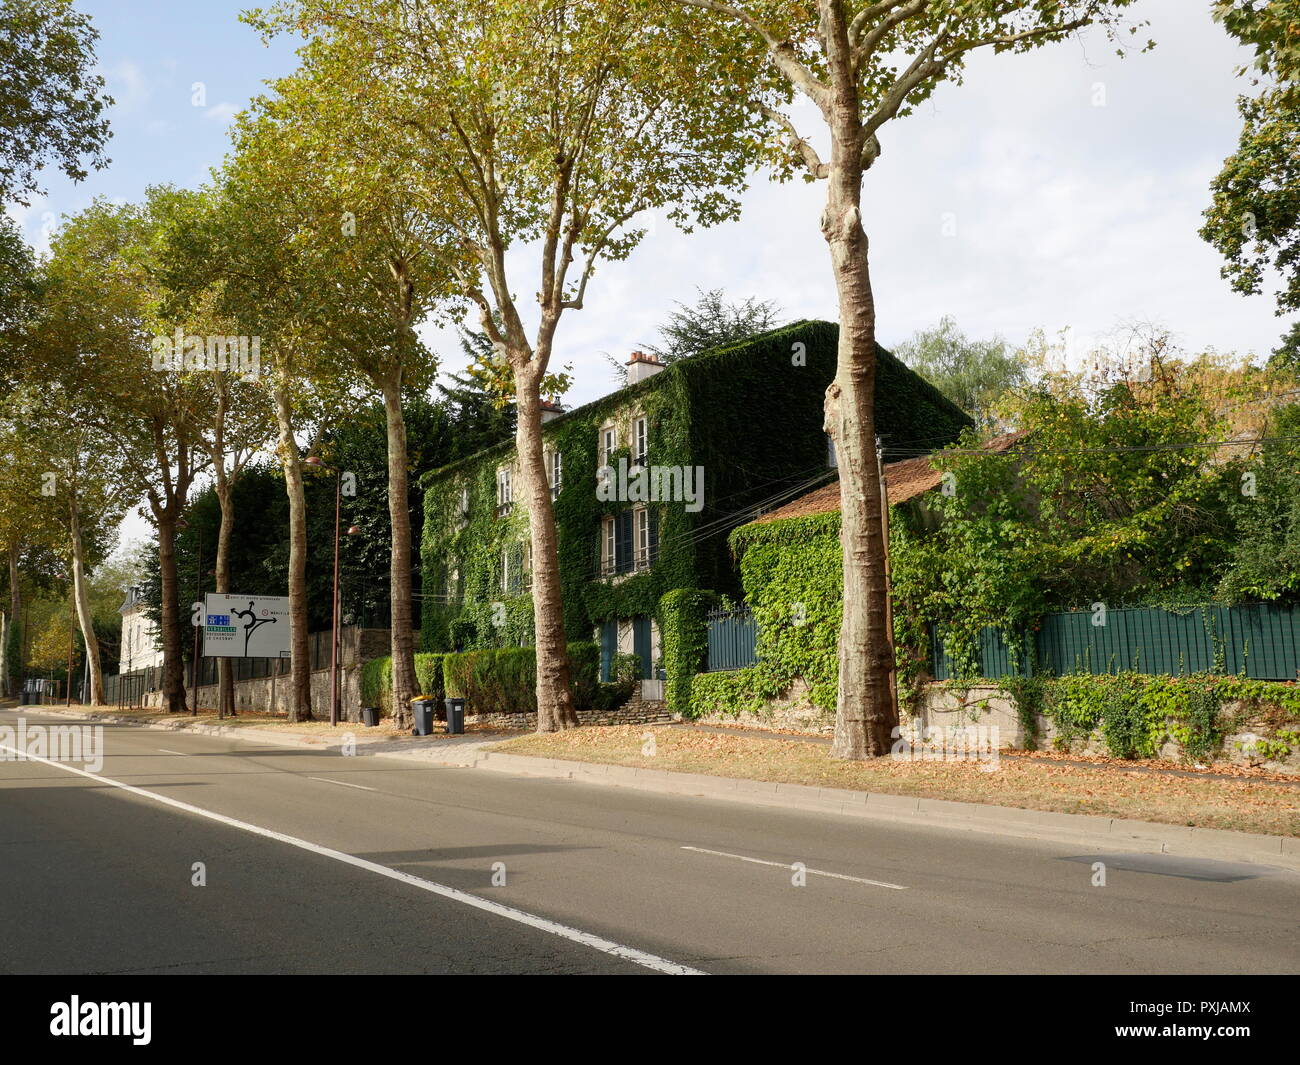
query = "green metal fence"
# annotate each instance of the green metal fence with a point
(1260, 641)
(733, 638)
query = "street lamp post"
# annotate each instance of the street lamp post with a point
(317, 463)
(198, 596)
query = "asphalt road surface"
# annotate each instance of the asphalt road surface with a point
(320, 863)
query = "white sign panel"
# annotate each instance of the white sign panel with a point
(246, 626)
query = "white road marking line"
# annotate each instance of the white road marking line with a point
(166, 751)
(786, 865)
(587, 939)
(343, 784)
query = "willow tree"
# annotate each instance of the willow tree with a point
(863, 63)
(545, 125)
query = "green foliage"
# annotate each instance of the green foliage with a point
(712, 322)
(1028, 693)
(377, 683)
(1254, 216)
(503, 681)
(974, 374)
(51, 95)
(1136, 713)
(684, 637)
(1265, 559)
(1099, 503)
(793, 584)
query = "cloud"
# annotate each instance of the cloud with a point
(222, 113)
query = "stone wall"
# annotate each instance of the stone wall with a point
(987, 705)
(792, 712)
(261, 694)
(636, 711)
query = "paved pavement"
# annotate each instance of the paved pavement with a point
(316, 862)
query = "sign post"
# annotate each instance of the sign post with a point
(246, 626)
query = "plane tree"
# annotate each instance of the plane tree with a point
(537, 130)
(863, 64)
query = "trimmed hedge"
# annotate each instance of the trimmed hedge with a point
(684, 634)
(504, 681)
(377, 680)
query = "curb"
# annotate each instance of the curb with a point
(1086, 829)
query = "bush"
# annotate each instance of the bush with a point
(504, 681)
(428, 676)
(377, 684)
(684, 631)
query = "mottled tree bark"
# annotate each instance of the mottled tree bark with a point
(864, 715)
(299, 645)
(402, 639)
(555, 709)
(82, 598)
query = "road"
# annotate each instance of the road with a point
(315, 862)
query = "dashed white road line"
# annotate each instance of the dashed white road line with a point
(787, 865)
(575, 935)
(343, 783)
(166, 751)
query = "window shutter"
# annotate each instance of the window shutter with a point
(654, 534)
(623, 542)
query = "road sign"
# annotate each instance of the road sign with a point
(246, 626)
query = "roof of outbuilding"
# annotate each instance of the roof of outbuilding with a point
(903, 481)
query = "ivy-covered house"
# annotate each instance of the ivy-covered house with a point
(648, 481)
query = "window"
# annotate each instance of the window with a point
(642, 541)
(645, 537)
(608, 549)
(639, 441)
(503, 490)
(608, 443)
(557, 474)
(462, 511)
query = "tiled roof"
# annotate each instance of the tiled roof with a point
(903, 481)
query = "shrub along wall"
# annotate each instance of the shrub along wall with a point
(377, 680)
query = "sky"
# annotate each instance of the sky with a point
(1059, 189)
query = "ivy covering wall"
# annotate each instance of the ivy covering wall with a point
(749, 414)
(791, 571)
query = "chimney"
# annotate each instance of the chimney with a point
(640, 366)
(550, 410)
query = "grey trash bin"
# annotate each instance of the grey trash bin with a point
(422, 709)
(455, 716)
(370, 716)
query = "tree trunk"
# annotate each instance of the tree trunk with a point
(225, 675)
(864, 716)
(173, 668)
(554, 696)
(14, 661)
(82, 597)
(399, 512)
(290, 462)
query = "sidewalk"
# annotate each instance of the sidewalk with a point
(475, 751)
